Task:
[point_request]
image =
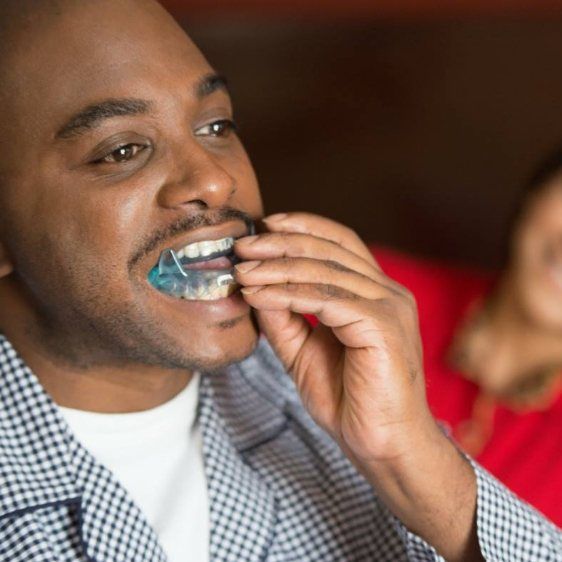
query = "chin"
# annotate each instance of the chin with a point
(230, 345)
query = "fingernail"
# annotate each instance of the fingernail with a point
(277, 217)
(247, 239)
(251, 290)
(246, 266)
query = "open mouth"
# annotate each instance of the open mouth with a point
(199, 255)
(197, 271)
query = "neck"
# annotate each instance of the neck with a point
(507, 347)
(104, 389)
(108, 390)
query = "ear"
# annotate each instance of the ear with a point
(6, 266)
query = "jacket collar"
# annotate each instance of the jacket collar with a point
(35, 463)
(238, 415)
(241, 409)
(250, 397)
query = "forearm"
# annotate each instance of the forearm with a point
(433, 493)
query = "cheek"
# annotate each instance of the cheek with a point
(247, 195)
(540, 229)
(527, 245)
(97, 233)
(85, 263)
(82, 247)
(547, 217)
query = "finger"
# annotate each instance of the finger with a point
(352, 318)
(286, 331)
(309, 356)
(321, 227)
(297, 245)
(305, 271)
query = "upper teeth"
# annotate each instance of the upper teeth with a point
(205, 248)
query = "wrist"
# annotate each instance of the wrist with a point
(423, 454)
(432, 491)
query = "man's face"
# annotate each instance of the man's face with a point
(536, 265)
(88, 204)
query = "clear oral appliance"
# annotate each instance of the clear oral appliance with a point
(173, 276)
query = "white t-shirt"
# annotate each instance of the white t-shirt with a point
(158, 457)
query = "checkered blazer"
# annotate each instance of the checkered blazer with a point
(280, 490)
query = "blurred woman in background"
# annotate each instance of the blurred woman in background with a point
(493, 347)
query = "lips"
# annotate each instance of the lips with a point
(208, 243)
(205, 249)
(198, 270)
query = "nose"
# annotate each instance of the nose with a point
(200, 180)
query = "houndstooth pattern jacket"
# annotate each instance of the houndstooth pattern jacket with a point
(280, 490)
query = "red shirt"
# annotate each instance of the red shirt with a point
(524, 450)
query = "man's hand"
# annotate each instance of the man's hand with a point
(359, 372)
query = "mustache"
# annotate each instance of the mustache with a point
(187, 224)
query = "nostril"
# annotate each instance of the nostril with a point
(200, 203)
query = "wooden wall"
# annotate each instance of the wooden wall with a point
(395, 9)
(416, 133)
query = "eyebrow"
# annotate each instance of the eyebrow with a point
(210, 84)
(93, 115)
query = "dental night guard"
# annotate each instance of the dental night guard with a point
(185, 275)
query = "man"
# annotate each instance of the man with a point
(118, 144)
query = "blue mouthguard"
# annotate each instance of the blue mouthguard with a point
(171, 278)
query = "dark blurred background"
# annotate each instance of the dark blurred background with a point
(414, 122)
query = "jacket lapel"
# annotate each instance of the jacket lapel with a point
(35, 464)
(42, 464)
(112, 526)
(236, 418)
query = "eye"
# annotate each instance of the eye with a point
(220, 128)
(123, 153)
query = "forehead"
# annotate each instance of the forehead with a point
(96, 50)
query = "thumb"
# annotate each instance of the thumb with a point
(286, 331)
